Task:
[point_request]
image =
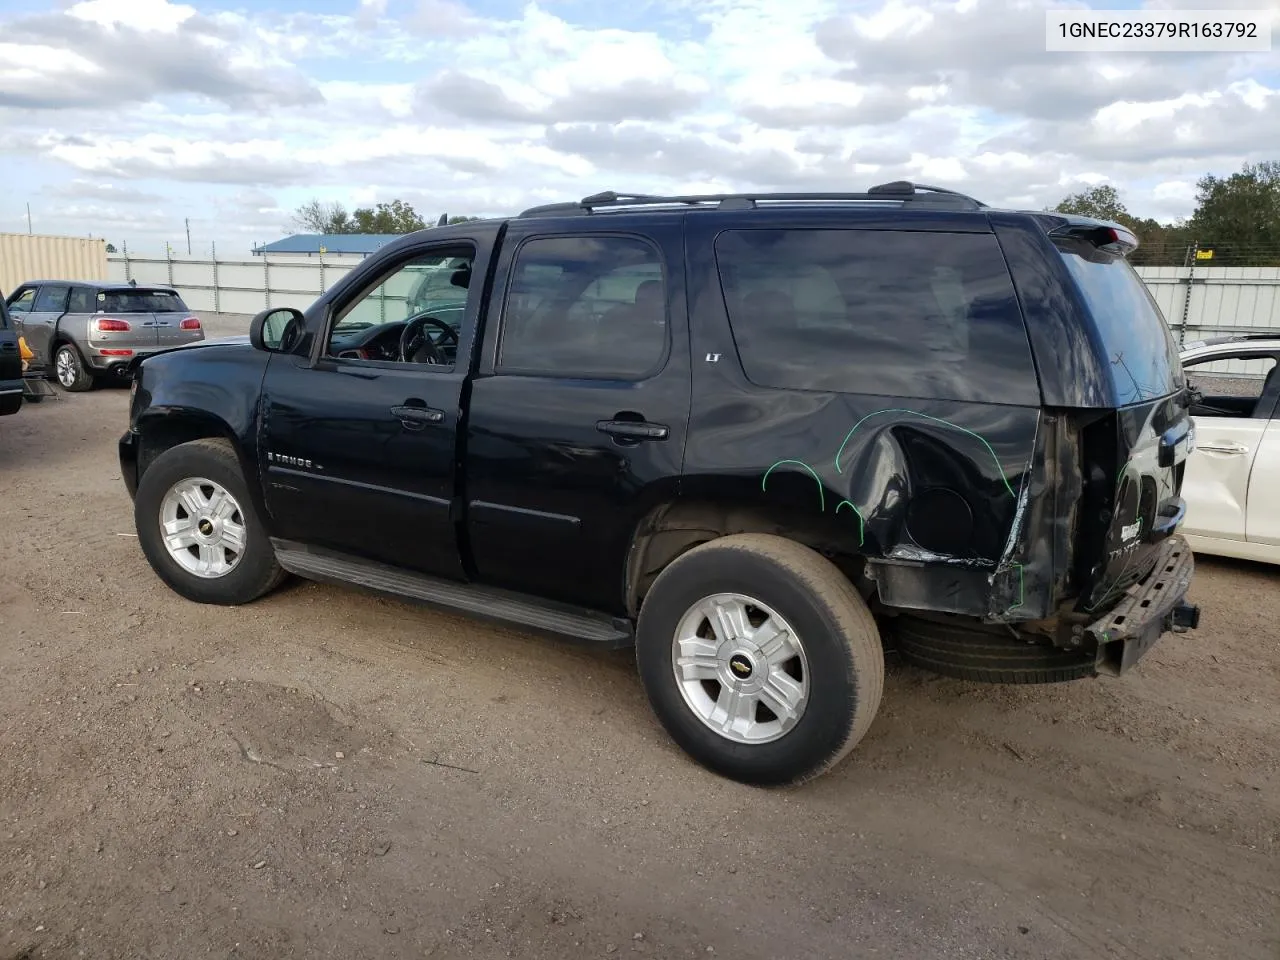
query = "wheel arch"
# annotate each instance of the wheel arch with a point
(676, 526)
(60, 337)
(161, 430)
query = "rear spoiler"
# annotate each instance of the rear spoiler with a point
(1110, 237)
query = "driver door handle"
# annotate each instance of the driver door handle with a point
(632, 429)
(415, 417)
(1228, 446)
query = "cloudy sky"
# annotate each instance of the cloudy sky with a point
(120, 118)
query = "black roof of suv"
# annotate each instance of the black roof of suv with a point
(752, 434)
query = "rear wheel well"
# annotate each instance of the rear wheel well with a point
(673, 529)
(58, 341)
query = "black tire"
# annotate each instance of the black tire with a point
(257, 571)
(841, 645)
(986, 654)
(82, 379)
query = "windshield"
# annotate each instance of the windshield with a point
(140, 301)
(1133, 331)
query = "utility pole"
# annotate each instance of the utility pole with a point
(28, 218)
(187, 221)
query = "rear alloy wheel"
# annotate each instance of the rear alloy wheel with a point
(760, 658)
(198, 529)
(741, 668)
(70, 370)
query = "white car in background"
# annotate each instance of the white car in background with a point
(1232, 481)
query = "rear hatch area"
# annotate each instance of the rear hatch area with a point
(143, 319)
(1132, 456)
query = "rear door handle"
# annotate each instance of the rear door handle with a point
(1228, 447)
(633, 429)
(414, 418)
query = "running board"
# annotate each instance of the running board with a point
(490, 603)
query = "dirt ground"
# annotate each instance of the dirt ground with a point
(326, 773)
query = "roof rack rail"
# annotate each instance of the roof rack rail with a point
(897, 191)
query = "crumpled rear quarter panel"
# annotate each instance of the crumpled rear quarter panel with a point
(936, 495)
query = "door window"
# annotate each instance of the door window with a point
(52, 298)
(22, 303)
(412, 314)
(1238, 385)
(587, 307)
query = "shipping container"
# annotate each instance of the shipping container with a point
(24, 257)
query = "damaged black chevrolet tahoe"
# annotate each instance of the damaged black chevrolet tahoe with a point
(756, 437)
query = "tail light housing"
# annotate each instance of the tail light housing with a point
(190, 323)
(107, 325)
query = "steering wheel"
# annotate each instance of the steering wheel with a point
(417, 347)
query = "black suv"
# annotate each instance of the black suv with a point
(10, 365)
(750, 435)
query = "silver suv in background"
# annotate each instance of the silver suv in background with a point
(80, 332)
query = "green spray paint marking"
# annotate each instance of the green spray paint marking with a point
(1021, 587)
(945, 423)
(822, 497)
(862, 523)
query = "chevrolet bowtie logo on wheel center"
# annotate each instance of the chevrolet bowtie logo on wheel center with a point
(740, 665)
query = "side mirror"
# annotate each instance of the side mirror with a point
(275, 329)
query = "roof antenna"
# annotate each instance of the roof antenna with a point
(443, 221)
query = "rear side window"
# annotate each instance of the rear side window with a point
(592, 307)
(52, 298)
(887, 312)
(1142, 351)
(81, 300)
(140, 301)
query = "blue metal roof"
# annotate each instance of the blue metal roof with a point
(363, 243)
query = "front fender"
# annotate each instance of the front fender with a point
(190, 395)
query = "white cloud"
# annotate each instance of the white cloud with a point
(158, 15)
(236, 116)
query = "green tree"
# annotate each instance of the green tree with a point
(111, 248)
(394, 217)
(1238, 217)
(1101, 202)
(316, 216)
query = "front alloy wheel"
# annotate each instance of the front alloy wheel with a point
(204, 527)
(197, 525)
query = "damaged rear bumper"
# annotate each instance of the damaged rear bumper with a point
(1149, 609)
